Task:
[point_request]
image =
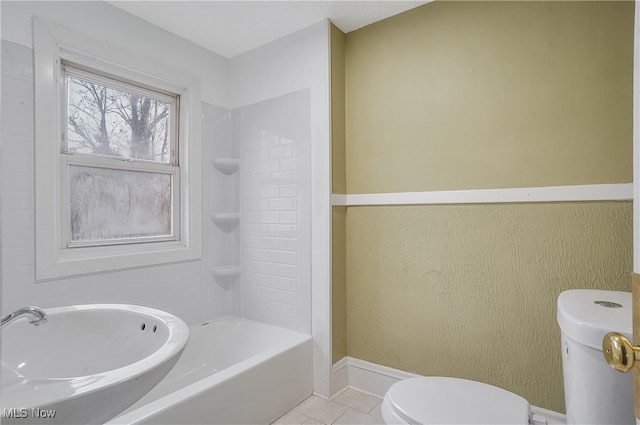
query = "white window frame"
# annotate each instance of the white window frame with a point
(54, 258)
(70, 159)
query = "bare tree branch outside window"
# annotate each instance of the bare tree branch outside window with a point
(113, 204)
(112, 122)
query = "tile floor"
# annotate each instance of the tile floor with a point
(350, 407)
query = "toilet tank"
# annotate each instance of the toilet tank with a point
(594, 392)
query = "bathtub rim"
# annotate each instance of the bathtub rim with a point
(190, 391)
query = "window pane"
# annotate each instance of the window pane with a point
(103, 120)
(111, 204)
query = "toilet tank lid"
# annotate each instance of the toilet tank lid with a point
(587, 315)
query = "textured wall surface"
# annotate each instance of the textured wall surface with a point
(483, 95)
(470, 290)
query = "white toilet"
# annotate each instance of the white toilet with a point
(594, 393)
(441, 400)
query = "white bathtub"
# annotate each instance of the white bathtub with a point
(232, 371)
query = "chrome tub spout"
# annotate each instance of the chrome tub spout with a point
(35, 315)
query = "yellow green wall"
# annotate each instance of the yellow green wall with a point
(470, 291)
(476, 95)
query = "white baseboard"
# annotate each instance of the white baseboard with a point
(375, 379)
(339, 377)
(552, 418)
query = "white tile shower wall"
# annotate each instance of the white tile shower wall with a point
(274, 137)
(177, 288)
(295, 62)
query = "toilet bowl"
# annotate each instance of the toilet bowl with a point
(443, 400)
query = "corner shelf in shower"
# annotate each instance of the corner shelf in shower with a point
(225, 271)
(226, 221)
(226, 218)
(226, 165)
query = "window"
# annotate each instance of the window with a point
(118, 157)
(120, 164)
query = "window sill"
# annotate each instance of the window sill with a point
(73, 262)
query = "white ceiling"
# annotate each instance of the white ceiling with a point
(230, 28)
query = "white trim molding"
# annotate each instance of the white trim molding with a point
(372, 378)
(339, 376)
(574, 193)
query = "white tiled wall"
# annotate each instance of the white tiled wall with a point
(275, 283)
(274, 136)
(17, 163)
(181, 288)
(300, 62)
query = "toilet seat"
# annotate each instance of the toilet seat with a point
(442, 400)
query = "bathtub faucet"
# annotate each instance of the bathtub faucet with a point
(35, 315)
